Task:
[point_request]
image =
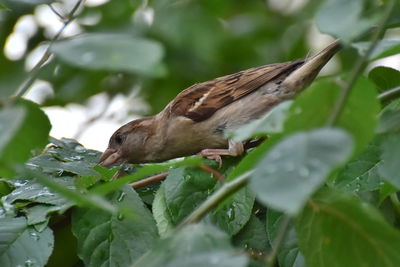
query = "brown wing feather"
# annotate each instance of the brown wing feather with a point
(201, 101)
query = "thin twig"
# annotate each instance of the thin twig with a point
(226, 190)
(278, 241)
(395, 202)
(56, 12)
(217, 175)
(33, 74)
(150, 180)
(359, 67)
(389, 94)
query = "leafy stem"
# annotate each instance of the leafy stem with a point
(34, 73)
(360, 65)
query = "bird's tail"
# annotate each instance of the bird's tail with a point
(306, 73)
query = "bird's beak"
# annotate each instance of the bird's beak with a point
(109, 157)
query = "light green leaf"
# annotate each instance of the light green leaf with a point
(272, 122)
(339, 230)
(292, 170)
(196, 245)
(389, 168)
(335, 17)
(112, 52)
(383, 48)
(21, 245)
(106, 239)
(160, 213)
(390, 121)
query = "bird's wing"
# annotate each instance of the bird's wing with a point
(201, 101)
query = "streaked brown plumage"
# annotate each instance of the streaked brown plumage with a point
(195, 121)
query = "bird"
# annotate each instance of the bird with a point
(197, 120)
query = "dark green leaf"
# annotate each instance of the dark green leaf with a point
(112, 52)
(339, 230)
(389, 168)
(361, 174)
(114, 239)
(335, 16)
(233, 214)
(292, 170)
(288, 253)
(385, 78)
(185, 188)
(195, 245)
(383, 48)
(22, 245)
(253, 236)
(26, 128)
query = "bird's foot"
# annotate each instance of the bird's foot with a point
(234, 149)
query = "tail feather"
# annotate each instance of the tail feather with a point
(304, 75)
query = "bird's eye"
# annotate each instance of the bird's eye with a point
(119, 139)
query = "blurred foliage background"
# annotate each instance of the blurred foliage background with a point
(146, 50)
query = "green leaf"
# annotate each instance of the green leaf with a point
(292, 170)
(112, 52)
(51, 165)
(272, 122)
(39, 214)
(389, 121)
(233, 214)
(383, 48)
(252, 236)
(3, 7)
(314, 106)
(385, 78)
(24, 128)
(339, 230)
(22, 245)
(361, 173)
(195, 245)
(389, 168)
(185, 188)
(112, 239)
(35, 192)
(335, 16)
(288, 253)
(161, 214)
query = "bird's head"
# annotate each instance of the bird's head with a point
(127, 144)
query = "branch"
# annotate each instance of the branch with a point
(389, 94)
(225, 191)
(34, 73)
(359, 66)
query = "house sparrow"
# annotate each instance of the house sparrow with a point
(196, 120)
